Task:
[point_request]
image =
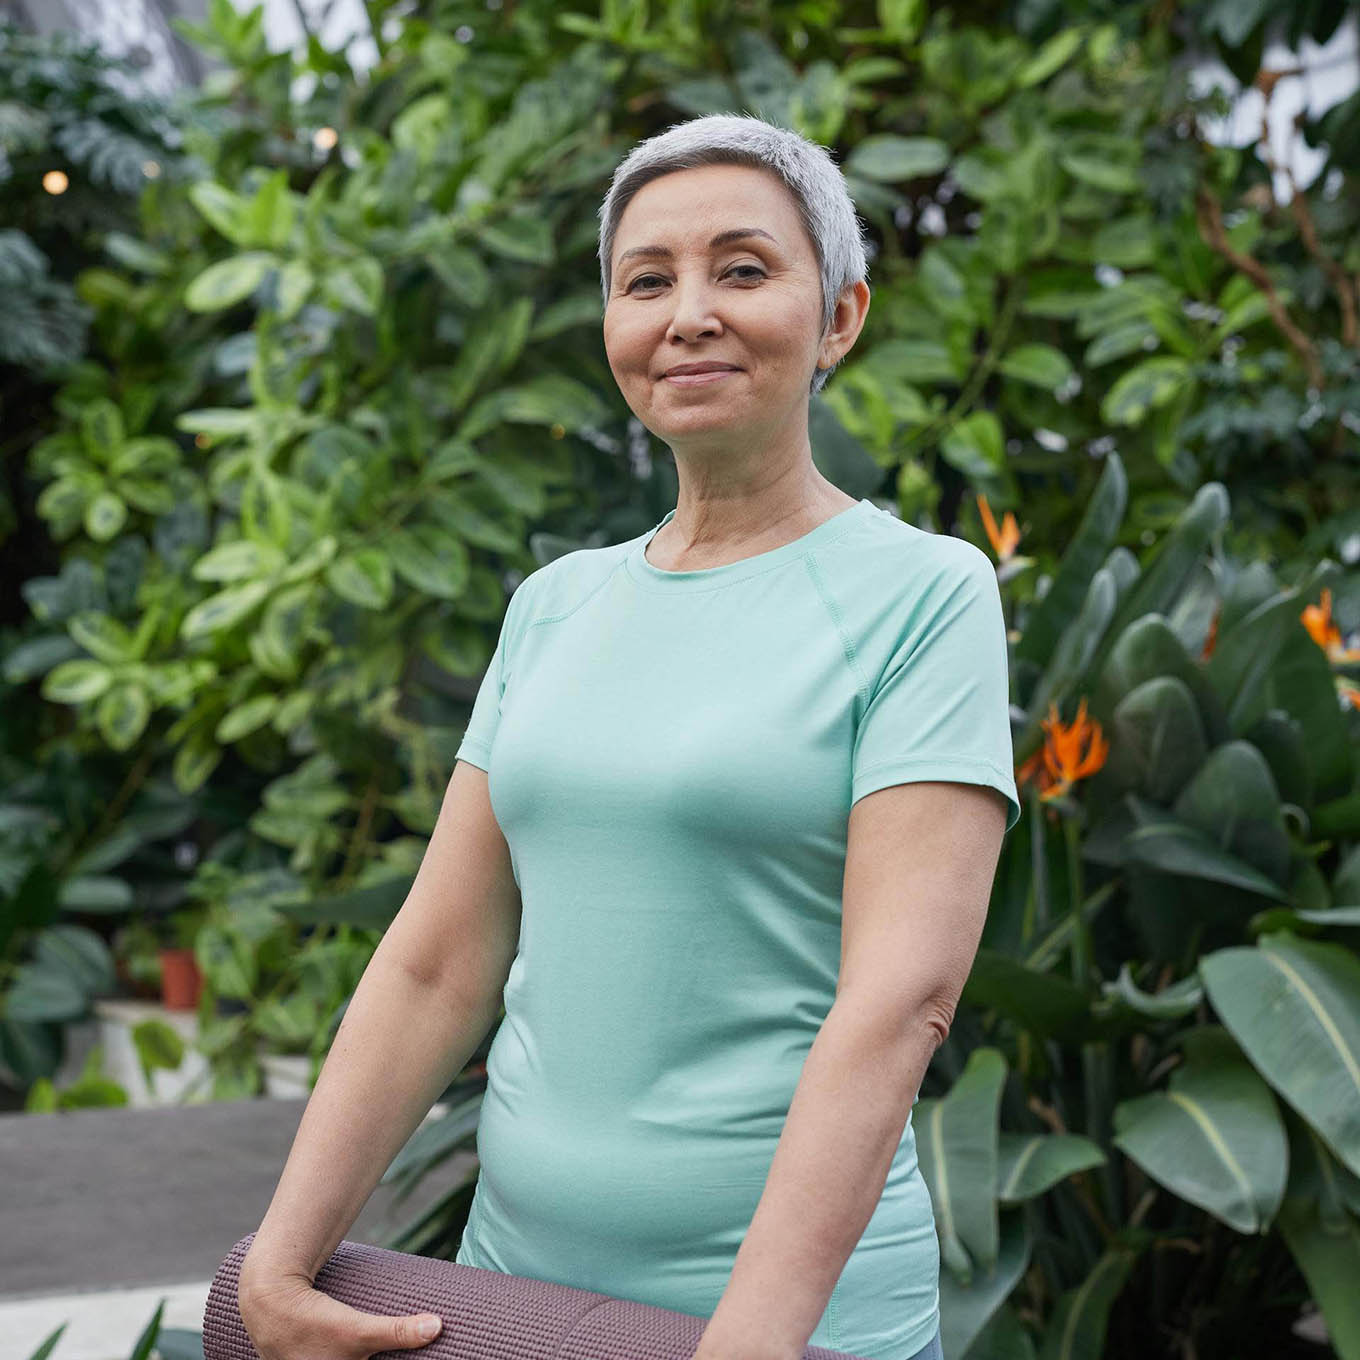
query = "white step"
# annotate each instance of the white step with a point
(101, 1325)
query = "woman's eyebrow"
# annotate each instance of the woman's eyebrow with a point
(721, 239)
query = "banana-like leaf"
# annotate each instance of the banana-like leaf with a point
(1330, 1262)
(368, 908)
(1316, 1177)
(1059, 939)
(1042, 1003)
(966, 1310)
(1275, 919)
(1346, 880)
(1092, 541)
(1232, 798)
(956, 1147)
(1072, 657)
(1030, 1163)
(1157, 740)
(1278, 735)
(1077, 1331)
(1171, 1003)
(1294, 1007)
(1301, 681)
(1149, 649)
(1175, 848)
(1178, 555)
(1215, 1138)
(1003, 1338)
(1243, 664)
(435, 1141)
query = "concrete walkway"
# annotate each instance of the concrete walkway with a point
(107, 1211)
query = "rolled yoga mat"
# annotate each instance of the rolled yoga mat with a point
(488, 1315)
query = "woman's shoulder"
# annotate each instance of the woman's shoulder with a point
(880, 550)
(563, 584)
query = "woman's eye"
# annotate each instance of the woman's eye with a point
(756, 269)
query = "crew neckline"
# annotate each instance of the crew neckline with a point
(706, 578)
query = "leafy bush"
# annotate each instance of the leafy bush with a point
(349, 385)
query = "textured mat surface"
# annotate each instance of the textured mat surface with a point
(487, 1315)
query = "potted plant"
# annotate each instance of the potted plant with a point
(136, 959)
(181, 977)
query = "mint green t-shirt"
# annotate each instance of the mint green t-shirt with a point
(672, 757)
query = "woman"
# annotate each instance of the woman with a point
(746, 781)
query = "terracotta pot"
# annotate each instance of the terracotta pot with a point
(181, 980)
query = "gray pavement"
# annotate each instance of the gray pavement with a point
(116, 1198)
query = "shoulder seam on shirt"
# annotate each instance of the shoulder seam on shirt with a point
(599, 585)
(848, 649)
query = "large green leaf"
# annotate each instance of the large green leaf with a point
(370, 908)
(1075, 653)
(223, 610)
(888, 158)
(1087, 549)
(1041, 365)
(1148, 648)
(1100, 172)
(1242, 668)
(354, 284)
(1232, 798)
(550, 399)
(363, 577)
(1329, 1257)
(226, 210)
(966, 1309)
(429, 557)
(225, 283)
(1042, 1003)
(1157, 740)
(78, 952)
(39, 992)
(1170, 1003)
(975, 445)
(1174, 848)
(1179, 555)
(1030, 1163)
(1294, 1006)
(1143, 388)
(1051, 57)
(1078, 1326)
(956, 1145)
(1215, 1138)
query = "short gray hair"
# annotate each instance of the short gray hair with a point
(816, 182)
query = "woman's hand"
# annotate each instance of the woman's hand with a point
(287, 1318)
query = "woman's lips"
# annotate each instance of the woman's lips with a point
(695, 379)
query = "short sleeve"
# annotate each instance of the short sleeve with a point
(478, 736)
(941, 708)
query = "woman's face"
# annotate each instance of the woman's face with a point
(680, 295)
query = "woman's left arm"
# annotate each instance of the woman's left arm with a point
(920, 859)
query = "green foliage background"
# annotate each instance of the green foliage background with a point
(285, 425)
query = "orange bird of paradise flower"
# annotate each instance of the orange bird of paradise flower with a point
(1004, 540)
(1071, 751)
(1317, 619)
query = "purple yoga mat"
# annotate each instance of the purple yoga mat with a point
(487, 1314)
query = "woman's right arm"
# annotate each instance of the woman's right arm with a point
(429, 995)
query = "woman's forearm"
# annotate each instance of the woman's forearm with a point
(400, 1042)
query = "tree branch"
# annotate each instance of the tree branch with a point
(1209, 217)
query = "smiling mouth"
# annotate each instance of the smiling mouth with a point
(698, 379)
